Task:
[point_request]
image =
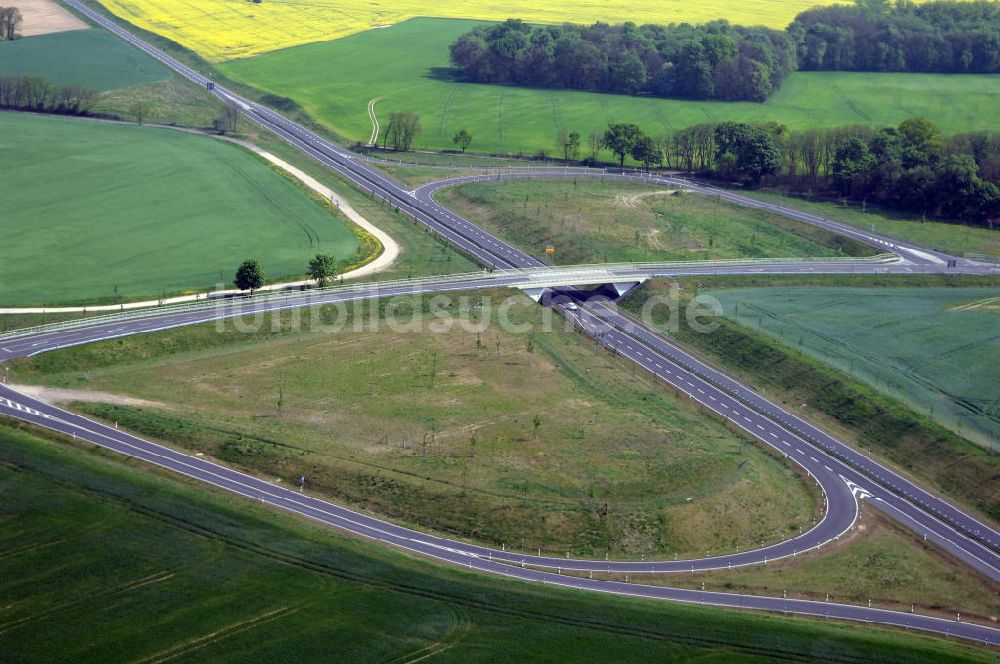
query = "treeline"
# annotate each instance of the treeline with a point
(400, 130)
(10, 21)
(32, 93)
(732, 63)
(711, 61)
(911, 167)
(875, 35)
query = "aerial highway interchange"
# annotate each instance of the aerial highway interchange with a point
(843, 474)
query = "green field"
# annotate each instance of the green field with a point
(436, 427)
(105, 561)
(98, 211)
(93, 58)
(407, 65)
(593, 221)
(936, 349)
(120, 73)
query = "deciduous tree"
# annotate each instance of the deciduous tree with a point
(140, 110)
(462, 139)
(249, 276)
(620, 138)
(322, 267)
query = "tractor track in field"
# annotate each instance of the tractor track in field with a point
(373, 140)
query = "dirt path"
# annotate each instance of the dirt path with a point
(633, 200)
(390, 248)
(59, 395)
(373, 141)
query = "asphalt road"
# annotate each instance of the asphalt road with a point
(843, 474)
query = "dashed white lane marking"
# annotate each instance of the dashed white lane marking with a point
(800, 451)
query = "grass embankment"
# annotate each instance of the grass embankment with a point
(222, 579)
(10, 322)
(407, 66)
(166, 211)
(223, 31)
(879, 561)
(953, 238)
(593, 221)
(437, 428)
(415, 176)
(849, 408)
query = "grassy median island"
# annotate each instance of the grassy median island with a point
(223, 579)
(541, 439)
(594, 221)
(805, 378)
(100, 212)
(879, 560)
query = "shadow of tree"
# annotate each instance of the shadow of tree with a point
(445, 74)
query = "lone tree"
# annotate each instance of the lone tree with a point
(462, 139)
(249, 276)
(140, 110)
(620, 138)
(595, 141)
(571, 151)
(321, 268)
(569, 143)
(226, 120)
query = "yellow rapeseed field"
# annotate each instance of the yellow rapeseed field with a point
(227, 29)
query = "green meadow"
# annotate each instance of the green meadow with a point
(94, 58)
(97, 211)
(407, 66)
